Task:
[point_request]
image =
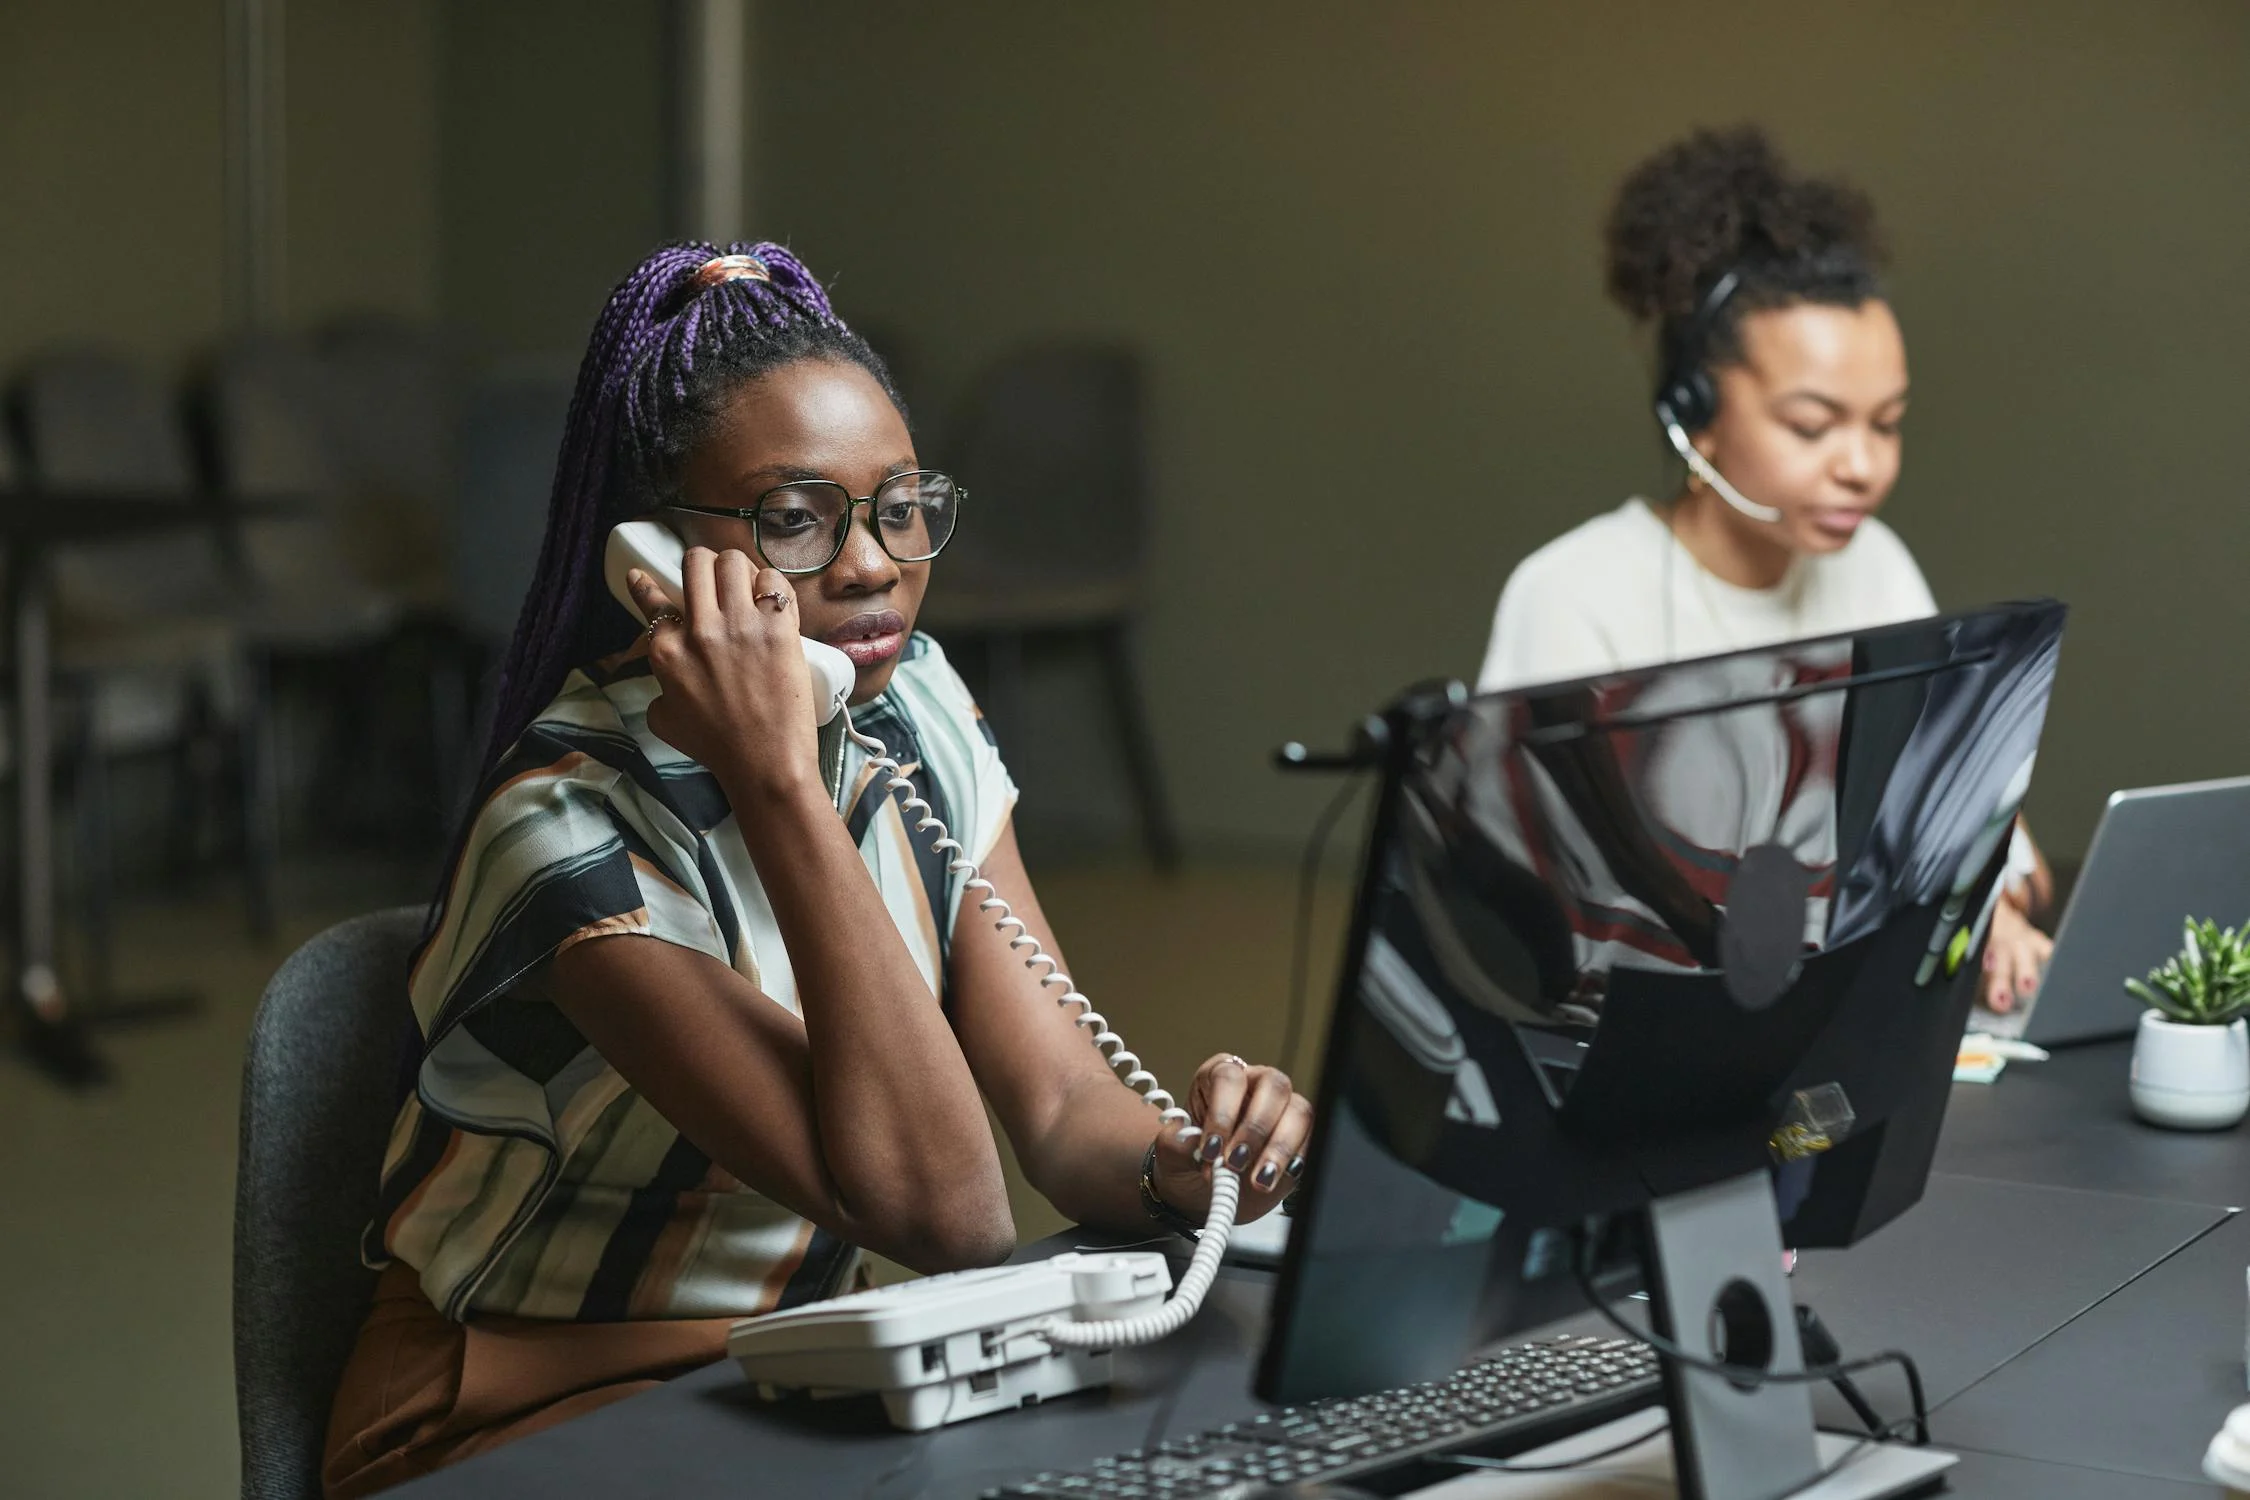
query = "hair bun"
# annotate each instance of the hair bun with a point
(1722, 200)
(735, 267)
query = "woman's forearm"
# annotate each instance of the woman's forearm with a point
(902, 1127)
(1088, 1164)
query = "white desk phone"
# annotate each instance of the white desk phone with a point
(960, 1345)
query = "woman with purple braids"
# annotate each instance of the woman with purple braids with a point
(705, 1015)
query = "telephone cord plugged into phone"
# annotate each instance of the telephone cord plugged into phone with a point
(1226, 1186)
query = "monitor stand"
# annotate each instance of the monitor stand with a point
(1716, 1286)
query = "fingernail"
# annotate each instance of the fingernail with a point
(1296, 1167)
(1239, 1157)
(1213, 1144)
(1266, 1175)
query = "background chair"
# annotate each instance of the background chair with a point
(397, 437)
(268, 411)
(321, 1082)
(511, 429)
(393, 430)
(1053, 541)
(150, 626)
(318, 626)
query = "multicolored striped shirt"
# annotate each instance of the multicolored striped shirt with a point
(525, 1176)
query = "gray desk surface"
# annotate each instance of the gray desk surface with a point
(2137, 1385)
(2066, 1122)
(2071, 1285)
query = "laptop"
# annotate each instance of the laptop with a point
(2161, 854)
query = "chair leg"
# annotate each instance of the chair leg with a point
(99, 875)
(260, 797)
(1116, 650)
(191, 759)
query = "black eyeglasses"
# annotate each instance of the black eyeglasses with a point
(800, 527)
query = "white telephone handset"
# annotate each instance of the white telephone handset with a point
(1012, 1334)
(658, 553)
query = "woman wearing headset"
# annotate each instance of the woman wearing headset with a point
(1783, 388)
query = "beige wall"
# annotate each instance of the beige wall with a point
(553, 123)
(112, 134)
(1359, 245)
(363, 205)
(110, 140)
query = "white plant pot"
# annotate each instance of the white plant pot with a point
(2191, 1077)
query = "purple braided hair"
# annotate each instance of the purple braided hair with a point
(666, 352)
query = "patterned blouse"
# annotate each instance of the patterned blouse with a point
(524, 1175)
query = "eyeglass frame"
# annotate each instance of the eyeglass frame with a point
(852, 503)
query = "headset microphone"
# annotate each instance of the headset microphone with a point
(1703, 469)
(1687, 398)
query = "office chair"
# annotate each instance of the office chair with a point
(269, 410)
(394, 433)
(321, 1082)
(152, 624)
(1053, 540)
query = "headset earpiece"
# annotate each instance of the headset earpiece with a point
(1689, 397)
(1686, 395)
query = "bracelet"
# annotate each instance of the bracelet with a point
(1156, 1208)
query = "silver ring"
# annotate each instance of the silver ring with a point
(664, 617)
(1237, 1061)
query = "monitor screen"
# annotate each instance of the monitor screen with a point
(1609, 931)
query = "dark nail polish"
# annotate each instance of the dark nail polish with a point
(1266, 1175)
(1213, 1144)
(1239, 1157)
(1296, 1167)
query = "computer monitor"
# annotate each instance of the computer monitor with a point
(1607, 932)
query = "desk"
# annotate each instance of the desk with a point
(2067, 1122)
(2078, 1340)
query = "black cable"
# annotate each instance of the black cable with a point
(1308, 874)
(1819, 1348)
(1861, 1407)
(1751, 1375)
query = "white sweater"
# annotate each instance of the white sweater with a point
(1620, 591)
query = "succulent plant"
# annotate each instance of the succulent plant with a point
(2207, 983)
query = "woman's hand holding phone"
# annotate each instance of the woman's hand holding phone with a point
(737, 696)
(1252, 1119)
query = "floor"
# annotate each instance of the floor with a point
(115, 1205)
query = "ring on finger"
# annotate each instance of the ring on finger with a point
(780, 600)
(1236, 1060)
(664, 617)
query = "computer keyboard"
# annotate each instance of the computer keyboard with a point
(1520, 1398)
